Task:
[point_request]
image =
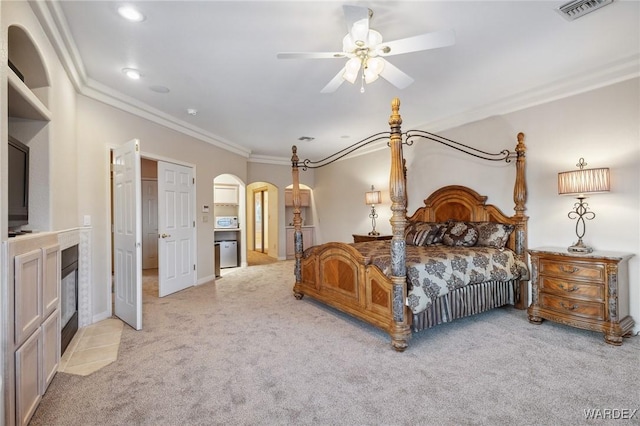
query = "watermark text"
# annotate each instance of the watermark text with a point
(610, 413)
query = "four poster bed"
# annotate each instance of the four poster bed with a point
(454, 257)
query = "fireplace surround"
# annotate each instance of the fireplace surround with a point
(81, 237)
(68, 296)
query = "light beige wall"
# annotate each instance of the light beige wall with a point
(101, 127)
(63, 153)
(339, 197)
(600, 125)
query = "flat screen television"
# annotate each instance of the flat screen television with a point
(18, 180)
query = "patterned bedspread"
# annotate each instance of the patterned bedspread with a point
(434, 270)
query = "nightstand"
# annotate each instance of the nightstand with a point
(585, 290)
(361, 238)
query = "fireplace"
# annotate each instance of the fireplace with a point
(68, 296)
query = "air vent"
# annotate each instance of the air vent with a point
(577, 8)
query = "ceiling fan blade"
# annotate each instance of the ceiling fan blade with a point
(420, 42)
(357, 19)
(393, 75)
(335, 82)
(310, 55)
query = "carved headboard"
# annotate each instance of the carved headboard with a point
(462, 203)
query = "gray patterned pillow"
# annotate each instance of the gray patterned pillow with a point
(493, 234)
(460, 234)
(423, 233)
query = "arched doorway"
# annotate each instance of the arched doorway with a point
(262, 223)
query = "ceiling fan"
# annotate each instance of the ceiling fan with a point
(366, 51)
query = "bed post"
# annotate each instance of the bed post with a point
(520, 199)
(400, 332)
(297, 221)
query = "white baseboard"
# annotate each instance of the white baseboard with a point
(206, 279)
(99, 317)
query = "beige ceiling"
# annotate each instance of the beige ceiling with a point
(219, 57)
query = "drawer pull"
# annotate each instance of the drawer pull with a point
(569, 307)
(569, 289)
(569, 270)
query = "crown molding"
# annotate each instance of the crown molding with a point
(606, 75)
(55, 26)
(105, 94)
(267, 159)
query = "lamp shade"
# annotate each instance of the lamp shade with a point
(373, 69)
(372, 197)
(583, 181)
(351, 70)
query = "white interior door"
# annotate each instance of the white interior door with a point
(127, 233)
(176, 225)
(149, 224)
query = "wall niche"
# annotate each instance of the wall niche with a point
(28, 119)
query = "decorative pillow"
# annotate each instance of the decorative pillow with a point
(423, 233)
(460, 234)
(493, 234)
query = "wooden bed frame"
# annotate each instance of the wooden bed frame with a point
(338, 275)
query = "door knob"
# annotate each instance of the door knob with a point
(165, 236)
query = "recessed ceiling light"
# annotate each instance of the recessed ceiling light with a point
(132, 73)
(130, 14)
(192, 111)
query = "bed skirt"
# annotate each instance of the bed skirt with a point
(469, 300)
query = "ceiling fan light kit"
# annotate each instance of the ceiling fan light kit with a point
(364, 48)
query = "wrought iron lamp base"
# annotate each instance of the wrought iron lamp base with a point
(581, 212)
(579, 247)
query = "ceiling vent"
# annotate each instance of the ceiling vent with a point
(577, 8)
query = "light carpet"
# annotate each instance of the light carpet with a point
(244, 351)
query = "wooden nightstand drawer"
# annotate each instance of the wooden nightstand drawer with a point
(591, 271)
(574, 307)
(572, 288)
(584, 290)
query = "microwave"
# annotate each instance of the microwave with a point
(226, 222)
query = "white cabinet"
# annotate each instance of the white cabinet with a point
(28, 294)
(28, 377)
(50, 349)
(32, 315)
(225, 194)
(51, 279)
(307, 240)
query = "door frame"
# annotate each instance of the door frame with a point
(155, 181)
(263, 223)
(243, 217)
(109, 255)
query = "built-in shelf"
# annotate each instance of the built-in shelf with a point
(22, 102)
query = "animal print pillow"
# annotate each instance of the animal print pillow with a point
(493, 234)
(460, 234)
(423, 233)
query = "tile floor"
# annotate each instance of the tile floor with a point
(92, 348)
